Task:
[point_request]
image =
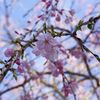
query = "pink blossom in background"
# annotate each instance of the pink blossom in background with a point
(9, 52)
(70, 87)
(72, 12)
(52, 14)
(56, 67)
(48, 4)
(58, 18)
(25, 64)
(57, 0)
(76, 53)
(43, 0)
(53, 69)
(17, 62)
(68, 20)
(20, 69)
(59, 64)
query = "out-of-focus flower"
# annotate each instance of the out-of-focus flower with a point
(17, 62)
(43, 0)
(20, 69)
(70, 87)
(57, 0)
(53, 69)
(25, 64)
(58, 18)
(72, 12)
(48, 4)
(9, 52)
(56, 67)
(68, 20)
(76, 53)
(52, 14)
(26, 97)
(59, 65)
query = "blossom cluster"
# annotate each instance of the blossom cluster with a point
(10, 52)
(54, 12)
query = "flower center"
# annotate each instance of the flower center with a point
(46, 41)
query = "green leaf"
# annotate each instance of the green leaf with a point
(97, 57)
(1, 62)
(80, 23)
(15, 75)
(44, 27)
(54, 33)
(90, 25)
(78, 27)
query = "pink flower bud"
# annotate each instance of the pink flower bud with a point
(43, 0)
(48, 4)
(58, 18)
(17, 62)
(72, 12)
(20, 69)
(52, 14)
(57, 0)
(9, 52)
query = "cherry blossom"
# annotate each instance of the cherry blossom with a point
(69, 87)
(72, 12)
(47, 46)
(17, 62)
(23, 65)
(58, 18)
(56, 67)
(53, 69)
(43, 0)
(9, 52)
(20, 69)
(76, 53)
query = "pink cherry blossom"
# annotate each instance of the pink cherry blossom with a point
(9, 52)
(76, 53)
(69, 87)
(59, 65)
(25, 64)
(48, 4)
(20, 69)
(46, 41)
(72, 12)
(68, 20)
(58, 18)
(36, 51)
(47, 47)
(57, 0)
(43, 0)
(53, 69)
(17, 62)
(52, 14)
(56, 67)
